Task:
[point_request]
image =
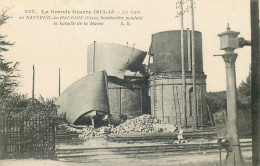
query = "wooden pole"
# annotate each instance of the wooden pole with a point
(183, 66)
(59, 81)
(154, 98)
(220, 162)
(189, 55)
(106, 82)
(193, 66)
(174, 103)
(94, 57)
(201, 107)
(255, 81)
(149, 59)
(141, 98)
(33, 84)
(178, 102)
(162, 104)
(210, 116)
(120, 102)
(93, 122)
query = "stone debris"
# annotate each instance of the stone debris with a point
(90, 132)
(143, 124)
(69, 128)
(87, 131)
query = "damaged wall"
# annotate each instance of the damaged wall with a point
(128, 97)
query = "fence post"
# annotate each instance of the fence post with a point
(9, 137)
(21, 137)
(12, 134)
(1, 137)
(4, 150)
(53, 138)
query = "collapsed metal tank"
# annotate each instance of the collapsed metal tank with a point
(165, 79)
(105, 87)
(85, 98)
(127, 93)
(115, 59)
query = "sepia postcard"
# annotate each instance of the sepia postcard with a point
(112, 82)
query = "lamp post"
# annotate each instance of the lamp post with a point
(228, 43)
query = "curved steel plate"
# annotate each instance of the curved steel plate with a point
(115, 59)
(83, 96)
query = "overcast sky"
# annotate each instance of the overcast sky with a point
(50, 47)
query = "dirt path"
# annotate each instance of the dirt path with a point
(209, 159)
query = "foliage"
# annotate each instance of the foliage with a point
(19, 104)
(217, 100)
(8, 70)
(244, 93)
(13, 104)
(42, 107)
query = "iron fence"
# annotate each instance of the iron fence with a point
(25, 137)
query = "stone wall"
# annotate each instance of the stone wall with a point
(166, 94)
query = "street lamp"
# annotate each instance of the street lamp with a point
(229, 42)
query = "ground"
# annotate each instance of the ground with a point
(202, 158)
(184, 160)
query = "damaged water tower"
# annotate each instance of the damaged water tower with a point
(127, 88)
(165, 79)
(113, 85)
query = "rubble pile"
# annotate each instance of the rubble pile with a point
(90, 132)
(143, 124)
(87, 131)
(69, 128)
